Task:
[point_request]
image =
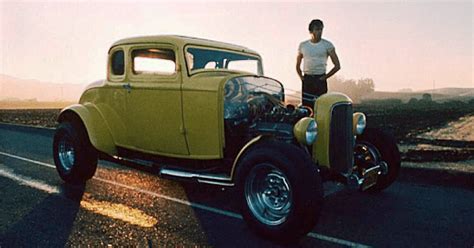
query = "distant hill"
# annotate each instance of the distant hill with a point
(452, 91)
(441, 95)
(15, 89)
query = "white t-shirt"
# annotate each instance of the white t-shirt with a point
(315, 56)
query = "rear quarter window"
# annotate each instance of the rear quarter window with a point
(118, 63)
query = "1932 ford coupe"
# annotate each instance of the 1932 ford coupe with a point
(202, 110)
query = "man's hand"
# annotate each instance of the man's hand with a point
(335, 61)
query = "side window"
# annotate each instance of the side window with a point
(118, 63)
(154, 61)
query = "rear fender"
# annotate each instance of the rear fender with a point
(96, 126)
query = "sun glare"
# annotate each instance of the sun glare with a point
(119, 212)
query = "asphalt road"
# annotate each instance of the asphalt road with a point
(126, 206)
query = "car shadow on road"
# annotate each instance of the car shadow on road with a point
(225, 231)
(49, 223)
(220, 229)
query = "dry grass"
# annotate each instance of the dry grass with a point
(31, 117)
(462, 129)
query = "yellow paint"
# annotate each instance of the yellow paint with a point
(178, 115)
(119, 212)
(203, 107)
(171, 115)
(97, 129)
(201, 100)
(181, 41)
(323, 107)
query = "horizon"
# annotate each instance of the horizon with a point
(399, 45)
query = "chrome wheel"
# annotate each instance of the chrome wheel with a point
(268, 194)
(66, 153)
(371, 155)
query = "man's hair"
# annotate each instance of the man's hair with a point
(315, 23)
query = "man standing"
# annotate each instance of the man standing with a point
(314, 53)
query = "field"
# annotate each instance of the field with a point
(32, 117)
(406, 121)
(417, 127)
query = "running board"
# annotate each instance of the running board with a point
(214, 179)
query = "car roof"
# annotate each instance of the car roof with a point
(182, 41)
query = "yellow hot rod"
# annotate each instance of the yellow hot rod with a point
(202, 110)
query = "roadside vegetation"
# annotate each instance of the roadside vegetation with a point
(406, 121)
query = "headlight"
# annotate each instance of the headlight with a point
(306, 131)
(359, 123)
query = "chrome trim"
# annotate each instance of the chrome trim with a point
(354, 181)
(383, 167)
(312, 129)
(201, 178)
(377, 167)
(216, 183)
(360, 127)
(234, 164)
(338, 104)
(66, 153)
(127, 87)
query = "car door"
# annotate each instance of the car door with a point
(154, 106)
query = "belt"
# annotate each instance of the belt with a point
(314, 75)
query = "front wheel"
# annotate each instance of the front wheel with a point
(375, 147)
(74, 156)
(281, 190)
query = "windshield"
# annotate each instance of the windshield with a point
(244, 87)
(239, 92)
(210, 59)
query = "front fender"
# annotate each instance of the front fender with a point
(96, 127)
(245, 148)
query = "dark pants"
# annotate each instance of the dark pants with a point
(313, 87)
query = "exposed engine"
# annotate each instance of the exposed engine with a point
(255, 105)
(262, 107)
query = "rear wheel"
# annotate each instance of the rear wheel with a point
(281, 189)
(74, 156)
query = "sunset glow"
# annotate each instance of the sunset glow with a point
(417, 45)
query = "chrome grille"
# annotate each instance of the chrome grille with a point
(341, 138)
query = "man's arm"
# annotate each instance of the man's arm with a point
(298, 65)
(335, 61)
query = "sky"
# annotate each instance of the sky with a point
(399, 44)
